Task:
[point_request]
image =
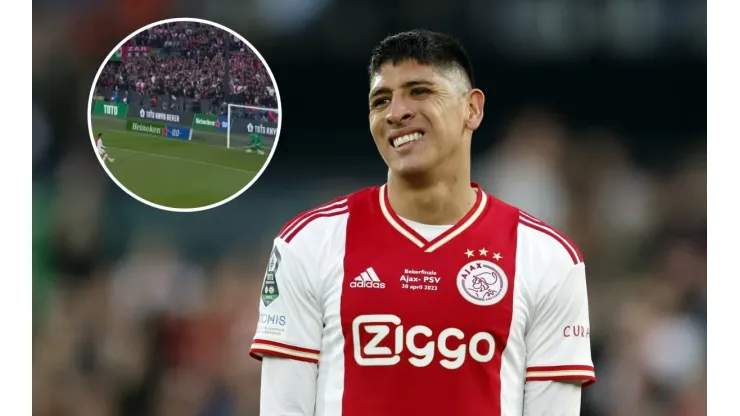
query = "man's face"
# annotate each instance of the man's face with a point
(419, 115)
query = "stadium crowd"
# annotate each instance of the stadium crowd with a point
(189, 62)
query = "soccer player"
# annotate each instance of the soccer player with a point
(101, 149)
(426, 295)
(257, 145)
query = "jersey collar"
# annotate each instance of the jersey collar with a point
(432, 245)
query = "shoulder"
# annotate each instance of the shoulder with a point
(315, 224)
(547, 243)
(546, 257)
(539, 245)
(534, 239)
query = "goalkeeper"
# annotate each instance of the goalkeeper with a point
(257, 145)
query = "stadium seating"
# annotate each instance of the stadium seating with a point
(186, 70)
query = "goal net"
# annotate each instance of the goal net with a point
(249, 125)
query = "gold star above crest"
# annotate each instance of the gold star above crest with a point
(483, 252)
(497, 256)
(469, 253)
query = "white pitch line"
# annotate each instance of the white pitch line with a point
(179, 158)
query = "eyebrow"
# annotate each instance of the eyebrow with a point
(407, 84)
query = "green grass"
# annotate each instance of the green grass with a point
(175, 173)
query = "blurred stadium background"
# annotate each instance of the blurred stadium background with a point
(595, 121)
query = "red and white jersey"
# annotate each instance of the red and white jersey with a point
(404, 323)
(99, 144)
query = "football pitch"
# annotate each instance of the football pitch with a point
(176, 173)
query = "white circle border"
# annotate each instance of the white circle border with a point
(256, 176)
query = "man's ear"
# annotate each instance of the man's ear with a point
(476, 100)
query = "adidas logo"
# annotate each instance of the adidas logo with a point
(367, 279)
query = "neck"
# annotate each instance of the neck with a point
(439, 198)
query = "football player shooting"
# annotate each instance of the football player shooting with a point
(101, 149)
(426, 295)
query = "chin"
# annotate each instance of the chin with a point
(411, 167)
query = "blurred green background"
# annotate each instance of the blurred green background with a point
(595, 121)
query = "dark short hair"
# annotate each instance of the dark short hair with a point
(425, 47)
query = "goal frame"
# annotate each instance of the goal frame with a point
(248, 107)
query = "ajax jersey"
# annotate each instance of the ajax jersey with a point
(400, 324)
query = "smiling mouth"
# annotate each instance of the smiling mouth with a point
(405, 139)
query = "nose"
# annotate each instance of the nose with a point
(398, 112)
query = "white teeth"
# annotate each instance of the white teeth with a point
(399, 141)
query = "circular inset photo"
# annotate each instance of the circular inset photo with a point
(184, 115)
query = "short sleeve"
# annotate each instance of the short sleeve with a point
(290, 322)
(558, 340)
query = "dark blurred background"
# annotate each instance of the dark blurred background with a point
(595, 121)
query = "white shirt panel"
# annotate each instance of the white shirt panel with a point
(288, 387)
(551, 398)
(289, 325)
(557, 341)
(330, 387)
(514, 356)
(292, 325)
(309, 279)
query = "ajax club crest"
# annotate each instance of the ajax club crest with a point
(482, 282)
